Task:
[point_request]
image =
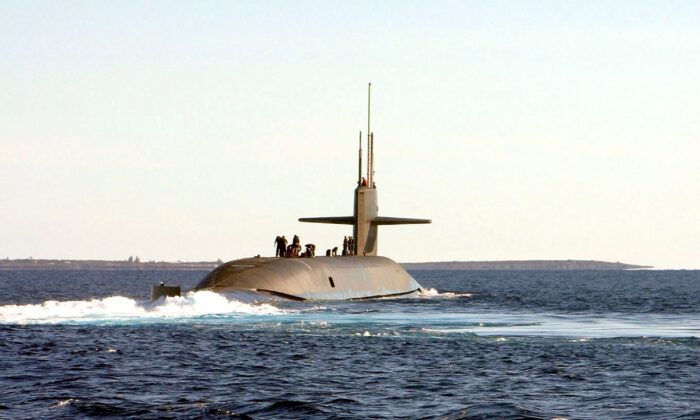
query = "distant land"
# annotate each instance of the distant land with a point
(135, 264)
(38, 264)
(523, 265)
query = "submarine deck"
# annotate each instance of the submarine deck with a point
(324, 278)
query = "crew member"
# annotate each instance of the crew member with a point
(281, 243)
(310, 250)
(293, 250)
(345, 246)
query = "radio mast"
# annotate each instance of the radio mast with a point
(370, 155)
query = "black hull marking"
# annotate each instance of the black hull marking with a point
(385, 296)
(282, 295)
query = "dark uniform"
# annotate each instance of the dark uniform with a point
(310, 250)
(281, 242)
(278, 242)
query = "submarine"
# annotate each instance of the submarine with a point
(361, 274)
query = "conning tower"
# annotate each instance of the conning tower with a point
(364, 276)
(365, 218)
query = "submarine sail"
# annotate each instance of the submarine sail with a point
(360, 275)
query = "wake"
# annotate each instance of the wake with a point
(433, 293)
(120, 309)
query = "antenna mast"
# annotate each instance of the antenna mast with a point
(369, 130)
(371, 141)
(359, 169)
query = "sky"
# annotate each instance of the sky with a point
(177, 130)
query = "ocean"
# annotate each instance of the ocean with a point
(473, 345)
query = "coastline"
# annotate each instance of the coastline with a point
(555, 265)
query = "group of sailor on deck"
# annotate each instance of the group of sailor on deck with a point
(348, 245)
(283, 249)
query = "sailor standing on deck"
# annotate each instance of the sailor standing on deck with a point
(281, 246)
(345, 246)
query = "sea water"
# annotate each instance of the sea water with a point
(473, 344)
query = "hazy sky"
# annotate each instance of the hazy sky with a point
(201, 130)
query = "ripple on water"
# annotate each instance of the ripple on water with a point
(498, 345)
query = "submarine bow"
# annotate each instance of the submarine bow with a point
(324, 278)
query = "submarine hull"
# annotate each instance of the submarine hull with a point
(323, 278)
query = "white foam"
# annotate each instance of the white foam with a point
(120, 308)
(433, 293)
(63, 403)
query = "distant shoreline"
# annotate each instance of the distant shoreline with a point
(38, 264)
(555, 265)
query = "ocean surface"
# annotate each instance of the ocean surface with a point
(475, 344)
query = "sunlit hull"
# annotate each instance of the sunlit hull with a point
(323, 278)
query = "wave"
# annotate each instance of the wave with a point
(379, 319)
(120, 309)
(433, 293)
(571, 326)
